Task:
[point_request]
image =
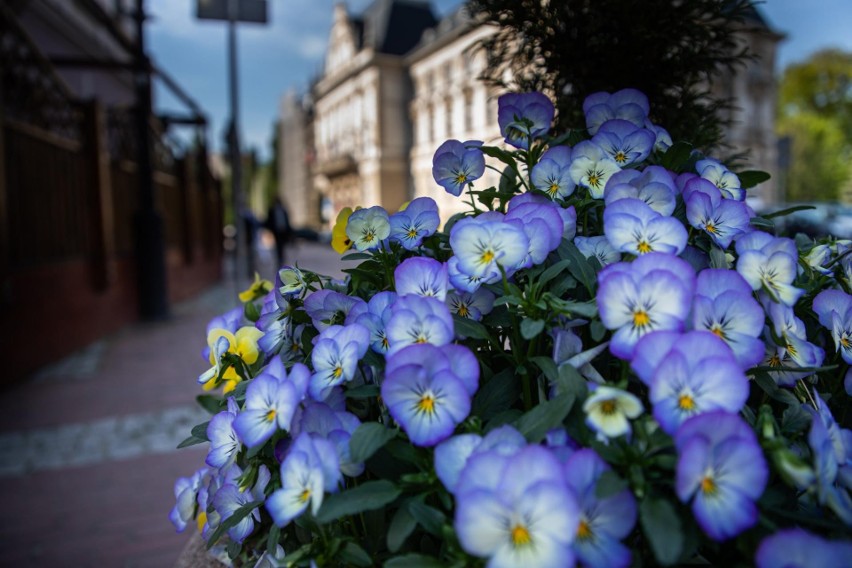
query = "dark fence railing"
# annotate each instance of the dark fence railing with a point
(68, 197)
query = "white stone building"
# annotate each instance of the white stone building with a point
(397, 83)
(362, 132)
(449, 102)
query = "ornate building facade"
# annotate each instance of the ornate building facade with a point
(397, 83)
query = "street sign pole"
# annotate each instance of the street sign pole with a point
(234, 11)
(241, 233)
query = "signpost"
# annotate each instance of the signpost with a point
(233, 11)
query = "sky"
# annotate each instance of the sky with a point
(287, 53)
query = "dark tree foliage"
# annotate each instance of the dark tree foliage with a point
(669, 49)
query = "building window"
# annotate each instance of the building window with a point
(468, 110)
(448, 117)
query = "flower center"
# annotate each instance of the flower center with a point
(412, 233)
(620, 157)
(584, 531)
(708, 486)
(775, 361)
(686, 402)
(711, 228)
(609, 406)
(461, 177)
(305, 495)
(201, 520)
(641, 318)
(270, 416)
(426, 404)
(594, 179)
(463, 311)
(521, 536)
(644, 247)
(553, 189)
(369, 235)
(717, 331)
(487, 256)
(338, 371)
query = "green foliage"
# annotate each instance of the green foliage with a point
(572, 48)
(815, 112)
(818, 162)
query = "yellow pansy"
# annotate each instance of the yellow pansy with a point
(340, 242)
(243, 343)
(260, 287)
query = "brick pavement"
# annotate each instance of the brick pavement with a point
(87, 460)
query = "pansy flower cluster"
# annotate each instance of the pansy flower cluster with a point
(609, 360)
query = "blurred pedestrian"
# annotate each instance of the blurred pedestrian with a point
(278, 223)
(251, 226)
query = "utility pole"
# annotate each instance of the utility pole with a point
(148, 224)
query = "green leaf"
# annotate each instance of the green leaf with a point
(676, 156)
(765, 382)
(508, 181)
(210, 403)
(497, 394)
(353, 555)
(428, 517)
(547, 365)
(597, 330)
(401, 527)
(569, 380)
(531, 327)
(365, 497)
(357, 256)
(662, 528)
(414, 561)
(718, 259)
(272, 541)
(232, 521)
(367, 439)
(535, 423)
(789, 210)
(200, 431)
(501, 155)
(469, 328)
(751, 178)
(575, 309)
(363, 391)
(191, 441)
(762, 223)
(251, 312)
(554, 271)
(579, 265)
(609, 483)
(794, 419)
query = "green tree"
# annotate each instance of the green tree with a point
(817, 165)
(815, 111)
(666, 49)
(822, 84)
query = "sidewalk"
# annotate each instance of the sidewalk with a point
(87, 446)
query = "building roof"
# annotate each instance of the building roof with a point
(393, 26)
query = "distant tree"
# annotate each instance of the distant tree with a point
(815, 111)
(669, 49)
(818, 167)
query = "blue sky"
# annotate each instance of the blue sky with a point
(289, 51)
